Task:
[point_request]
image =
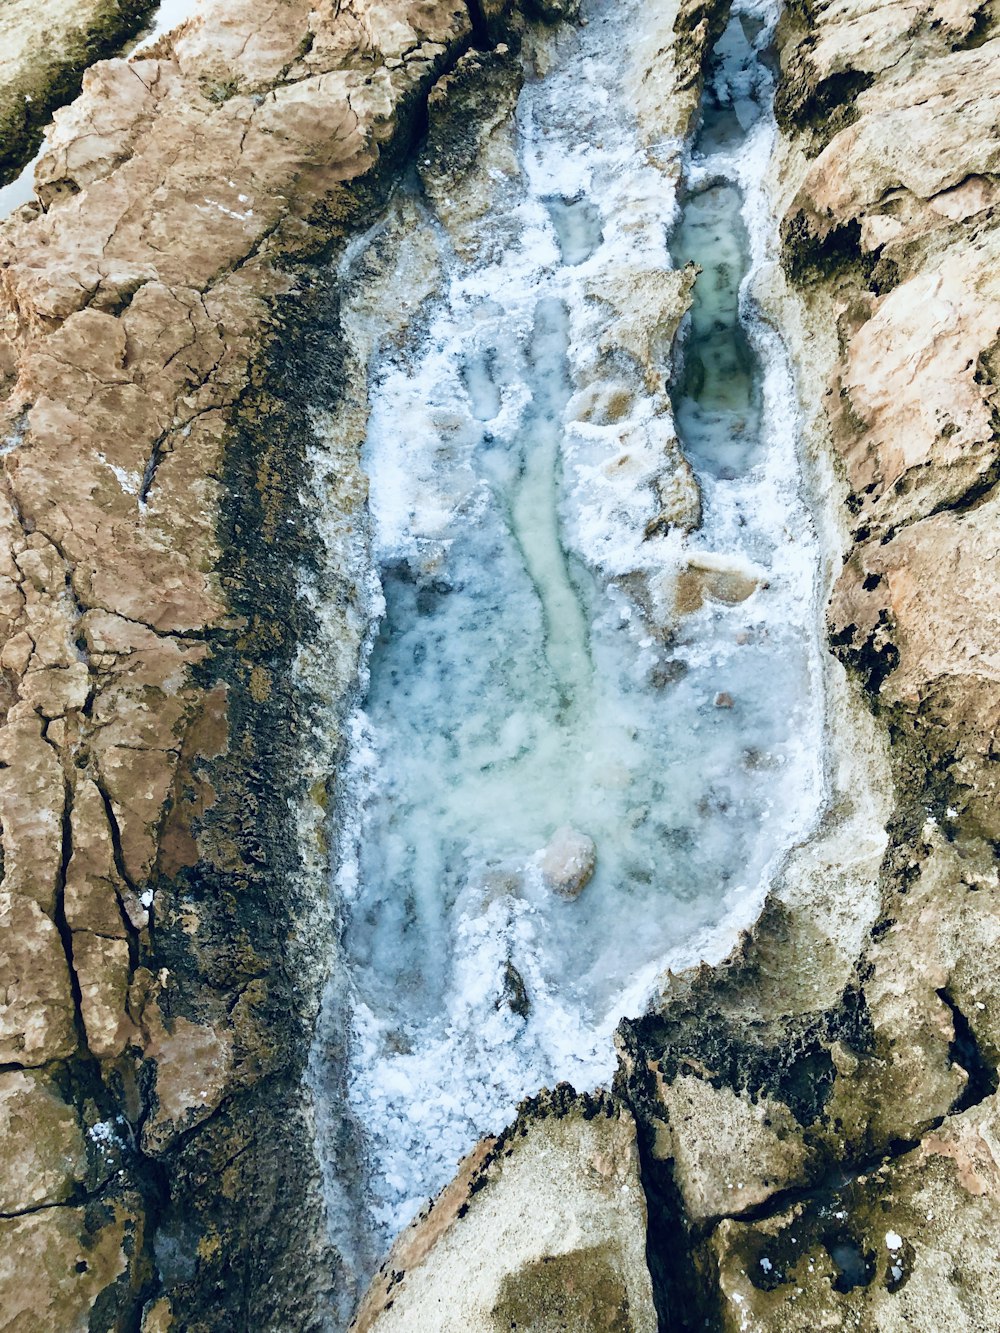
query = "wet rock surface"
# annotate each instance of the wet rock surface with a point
(568, 862)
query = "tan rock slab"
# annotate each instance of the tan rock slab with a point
(103, 972)
(41, 1143)
(53, 1268)
(34, 73)
(36, 1006)
(545, 1232)
(193, 1066)
(32, 798)
(730, 1153)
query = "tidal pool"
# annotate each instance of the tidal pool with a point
(516, 685)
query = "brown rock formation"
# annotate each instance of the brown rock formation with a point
(816, 1119)
(165, 334)
(45, 46)
(875, 1078)
(543, 1228)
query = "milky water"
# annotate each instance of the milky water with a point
(515, 685)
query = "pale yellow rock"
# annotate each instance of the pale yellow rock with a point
(103, 972)
(36, 1006)
(49, 1276)
(921, 407)
(553, 1238)
(950, 101)
(730, 1153)
(41, 1143)
(646, 308)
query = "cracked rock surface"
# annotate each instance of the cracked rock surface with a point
(45, 46)
(543, 1228)
(814, 1124)
(164, 862)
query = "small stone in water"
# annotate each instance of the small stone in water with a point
(723, 700)
(568, 862)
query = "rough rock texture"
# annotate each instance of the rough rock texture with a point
(816, 1119)
(542, 1229)
(45, 46)
(168, 336)
(818, 1115)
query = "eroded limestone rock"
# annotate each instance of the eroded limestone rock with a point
(55, 1263)
(44, 1155)
(163, 855)
(36, 1006)
(38, 75)
(904, 1247)
(543, 1228)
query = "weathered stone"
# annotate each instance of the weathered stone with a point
(470, 143)
(910, 1234)
(103, 971)
(53, 1267)
(705, 578)
(542, 1229)
(891, 315)
(193, 1065)
(569, 862)
(32, 799)
(151, 538)
(90, 900)
(729, 1153)
(41, 1143)
(36, 76)
(36, 1007)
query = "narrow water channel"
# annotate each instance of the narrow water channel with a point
(552, 666)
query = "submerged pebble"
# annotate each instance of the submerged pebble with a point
(569, 862)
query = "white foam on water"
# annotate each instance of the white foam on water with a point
(516, 687)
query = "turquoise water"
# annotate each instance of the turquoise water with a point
(519, 680)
